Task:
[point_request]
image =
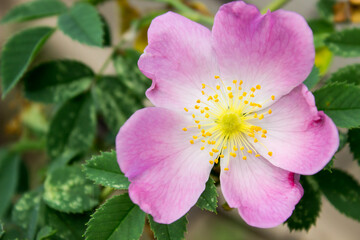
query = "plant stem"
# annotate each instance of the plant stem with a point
(275, 5)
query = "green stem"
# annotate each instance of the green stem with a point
(105, 193)
(188, 12)
(25, 145)
(275, 5)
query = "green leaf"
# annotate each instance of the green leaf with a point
(26, 212)
(18, 52)
(67, 226)
(345, 43)
(67, 190)
(57, 81)
(354, 141)
(63, 159)
(342, 191)
(343, 140)
(9, 173)
(208, 199)
(107, 32)
(321, 30)
(72, 127)
(325, 9)
(329, 166)
(349, 74)
(313, 78)
(173, 231)
(82, 23)
(125, 63)
(33, 10)
(119, 218)
(341, 102)
(104, 169)
(45, 233)
(1, 229)
(115, 102)
(307, 210)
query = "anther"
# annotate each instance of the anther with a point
(211, 153)
(258, 87)
(244, 94)
(270, 111)
(203, 86)
(198, 101)
(202, 92)
(192, 141)
(261, 116)
(270, 154)
(257, 155)
(249, 151)
(226, 169)
(246, 102)
(255, 140)
(215, 150)
(221, 156)
(263, 136)
(193, 115)
(217, 77)
(253, 89)
(202, 148)
(211, 162)
(228, 88)
(244, 157)
(186, 110)
(273, 97)
(197, 107)
(242, 148)
(184, 129)
(207, 115)
(233, 154)
(217, 87)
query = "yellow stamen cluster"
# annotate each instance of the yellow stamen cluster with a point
(225, 120)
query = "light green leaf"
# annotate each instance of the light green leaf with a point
(57, 81)
(173, 231)
(125, 64)
(104, 169)
(208, 199)
(325, 9)
(345, 43)
(124, 220)
(354, 141)
(72, 127)
(82, 23)
(1, 229)
(313, 78)
(9, 173)
(115, 102)
(33, 10)
(307, 210)
(67, 226)
(67, 190)
(342, 191)
(45, 233)
(341, 102)
(18, 52)
(26, 212)
(349, 74)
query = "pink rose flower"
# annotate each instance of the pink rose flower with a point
(233, 96)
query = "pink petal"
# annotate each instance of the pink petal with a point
(274, 50)
(302, 139)
(264, 194)
(167, 173)
(179, 58)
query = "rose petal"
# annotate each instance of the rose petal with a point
(179, 58)
(301, 139)
(274, 50)
(264, 194)
(167, 173)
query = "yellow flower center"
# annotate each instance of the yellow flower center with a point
(225, 120)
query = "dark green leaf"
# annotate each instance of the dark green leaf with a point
(107, 32)
(82, 23)
(345, 43)
(18, 52)
(354, 142)
(26, 212)
(33, 10)
(313, 78)
(325, 9)
(67, 190)
(67, 226)
(57, 81)
(115, 102)
(342, 191)
(119, 218)
(73, 126)
(349, 74)
(321, 30)
(343, 140)
(13, 232)
(125, 63)
(45, 233)
(9, 173)
(63, 159)
(341, 102)
(208, 199)
(307, 210)
(104, 169)
(173, 231)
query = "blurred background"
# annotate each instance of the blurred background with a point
(331, 225)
